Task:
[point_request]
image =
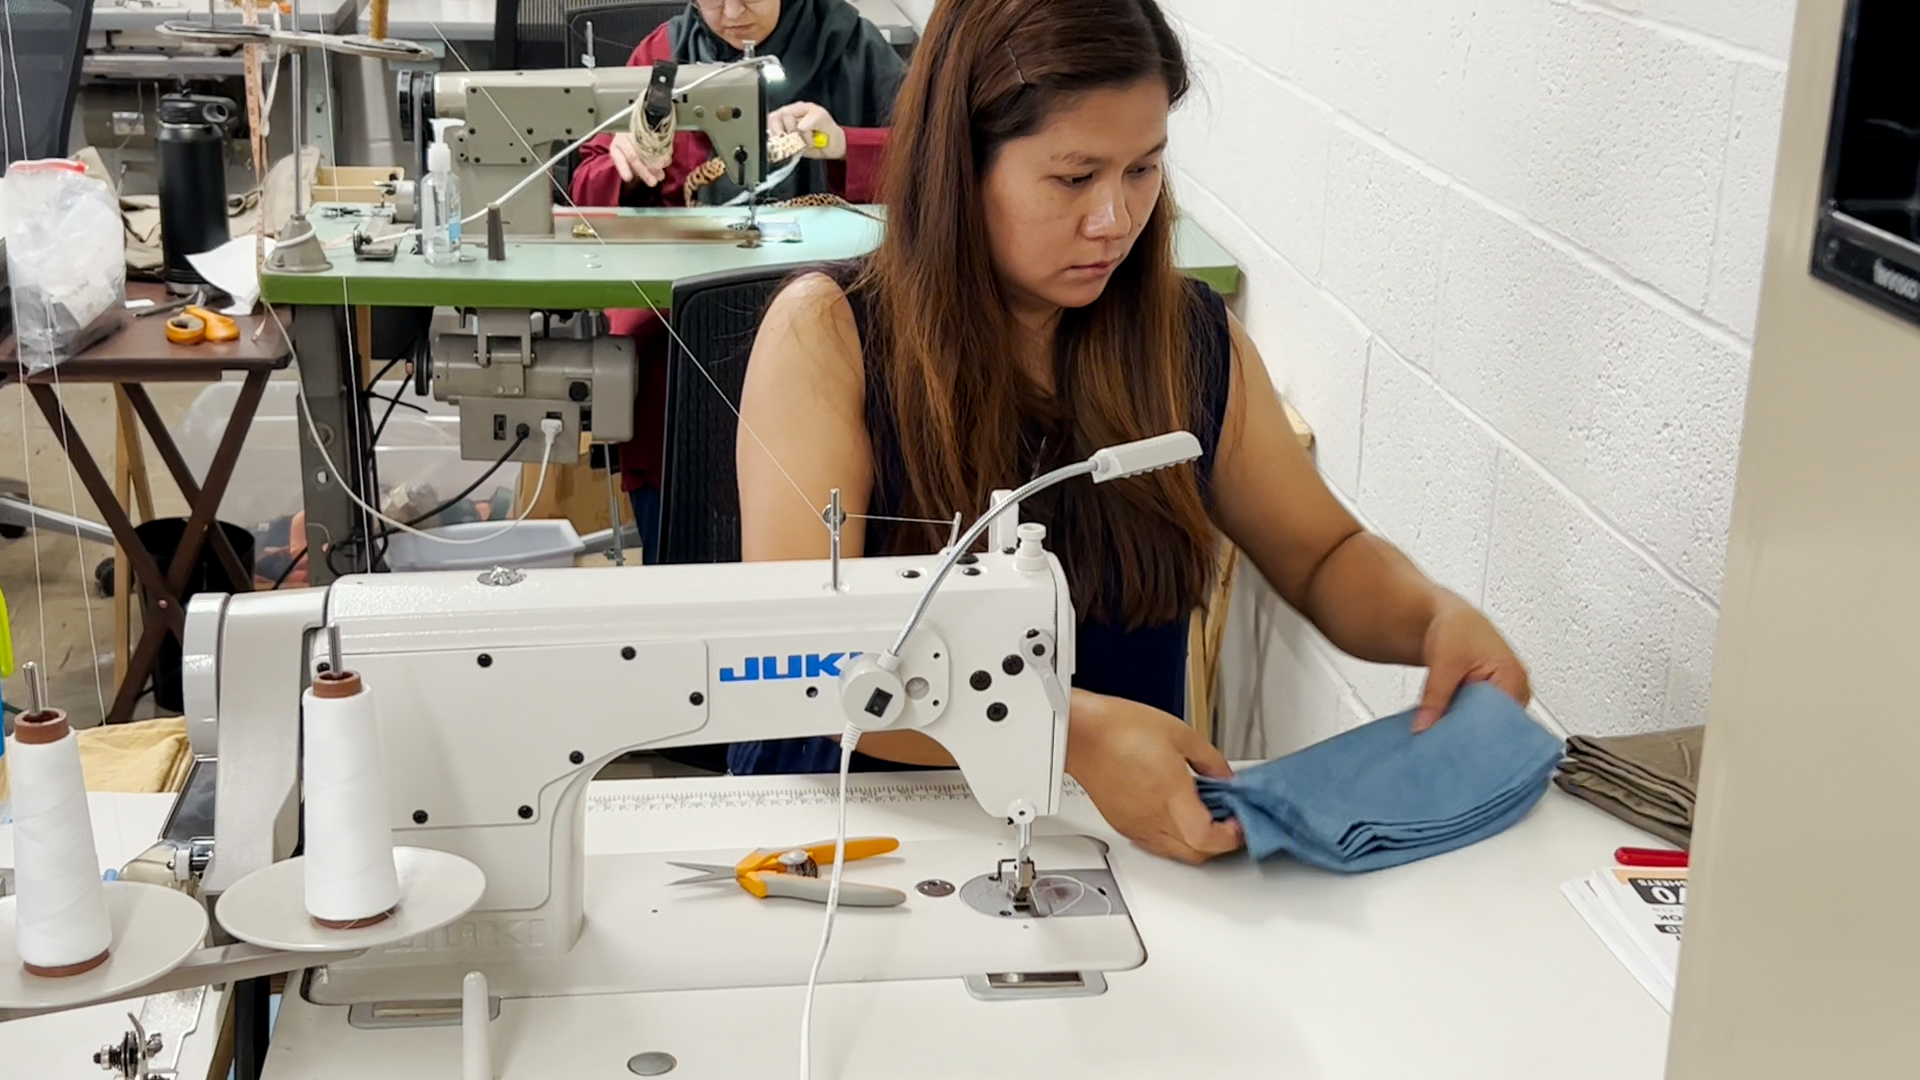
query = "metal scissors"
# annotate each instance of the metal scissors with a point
(794, 873)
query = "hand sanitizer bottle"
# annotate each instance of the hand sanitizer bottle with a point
(440, 203)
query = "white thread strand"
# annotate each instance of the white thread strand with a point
(79, 549)
(1082, 894)
(26, 442)
(349, 839)
(848, 740)
(62, 907)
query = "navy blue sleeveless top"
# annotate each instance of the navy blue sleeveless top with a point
(1147, 665)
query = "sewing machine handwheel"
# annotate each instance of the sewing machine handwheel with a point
(423, 364)
(154, 929)
(269, 907)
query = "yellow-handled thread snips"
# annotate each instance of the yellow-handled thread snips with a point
(795, 873)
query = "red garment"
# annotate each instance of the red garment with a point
(597, 183)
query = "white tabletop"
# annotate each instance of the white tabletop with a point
(1469, 965)
(61, 1046)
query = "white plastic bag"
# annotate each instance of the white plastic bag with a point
(66, 259)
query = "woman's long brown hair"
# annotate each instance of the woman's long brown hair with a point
(986, 72)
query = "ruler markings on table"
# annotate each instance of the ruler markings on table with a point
(758, 798)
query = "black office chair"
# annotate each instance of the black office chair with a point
(530, 34)
(717, 316)
(618, 28)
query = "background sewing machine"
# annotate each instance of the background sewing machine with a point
(129, 65)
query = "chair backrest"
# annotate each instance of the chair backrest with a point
(41, 43)
(618, 28)
(529, 34)
(717, 316)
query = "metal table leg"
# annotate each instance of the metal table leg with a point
(340, 418)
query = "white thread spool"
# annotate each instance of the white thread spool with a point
(62, 908)
(350, 876)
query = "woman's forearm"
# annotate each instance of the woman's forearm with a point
(905, 748)
(1372, 602)
(917, 748)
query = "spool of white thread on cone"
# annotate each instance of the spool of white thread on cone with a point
(62, 908)
(351, 880)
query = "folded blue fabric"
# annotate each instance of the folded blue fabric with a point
(1379, 795)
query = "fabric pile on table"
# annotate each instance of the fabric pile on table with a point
(1648, 781)
(147, 757)
(1380, 796)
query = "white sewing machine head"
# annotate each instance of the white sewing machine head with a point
(501, 694)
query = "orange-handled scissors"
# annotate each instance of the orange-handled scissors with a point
(795, 873)
(219, 327)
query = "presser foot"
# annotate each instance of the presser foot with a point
(1017, 877)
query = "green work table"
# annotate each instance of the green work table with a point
(577, 274)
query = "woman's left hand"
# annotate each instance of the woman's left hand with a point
(1463, 647)
(809, 119)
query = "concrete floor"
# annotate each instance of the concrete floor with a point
(47, 578)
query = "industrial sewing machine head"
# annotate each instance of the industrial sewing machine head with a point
(501, 694)
(505, 123)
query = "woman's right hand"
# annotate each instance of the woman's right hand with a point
(1133, 761)
(631, 166)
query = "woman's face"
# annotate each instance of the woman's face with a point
(1065, 204)
(740, 21)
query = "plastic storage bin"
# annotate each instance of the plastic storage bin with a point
(530, 545)
(414, 449)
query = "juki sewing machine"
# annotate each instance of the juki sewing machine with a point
(501, 124)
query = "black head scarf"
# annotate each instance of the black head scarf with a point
(831, 57)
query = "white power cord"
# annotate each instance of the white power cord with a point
(848, 740)
(550, 428)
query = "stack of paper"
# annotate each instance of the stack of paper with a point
(1638, 913)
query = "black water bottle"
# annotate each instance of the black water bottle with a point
(192, 148)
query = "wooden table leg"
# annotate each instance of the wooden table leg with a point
(136, 452)
(131, 487)
(183, 476)
(163, 610)
(220, 470)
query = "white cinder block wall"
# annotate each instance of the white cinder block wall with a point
(1504, 256)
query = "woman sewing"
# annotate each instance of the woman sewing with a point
(840, 78)
(1023, 311)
